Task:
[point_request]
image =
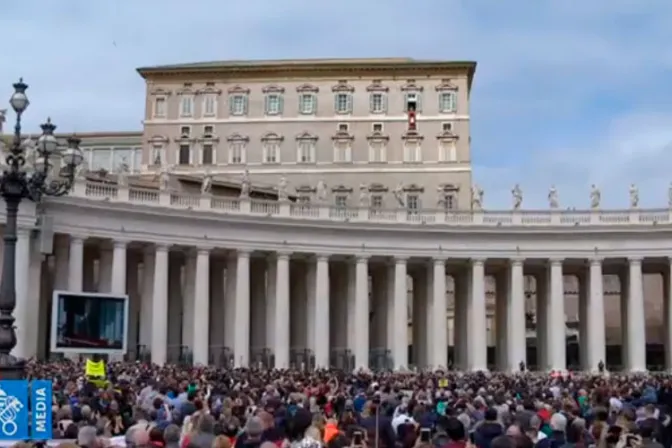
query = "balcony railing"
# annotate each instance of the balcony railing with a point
(328, 212)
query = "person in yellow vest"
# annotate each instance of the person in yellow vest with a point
(95, 371)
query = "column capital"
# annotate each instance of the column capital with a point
(161, 247)
(76, 239)
(322, 257)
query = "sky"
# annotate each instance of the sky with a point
(566, 93)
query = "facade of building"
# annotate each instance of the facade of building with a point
(345, 122)
(241, 278)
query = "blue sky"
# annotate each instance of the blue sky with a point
(566, 92)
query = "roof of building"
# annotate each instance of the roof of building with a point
(280, 67)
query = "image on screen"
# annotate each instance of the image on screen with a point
(90, 322)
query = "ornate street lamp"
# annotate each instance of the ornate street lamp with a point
(28, 172)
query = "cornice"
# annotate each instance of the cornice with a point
(309, 69)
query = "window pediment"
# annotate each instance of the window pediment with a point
(377, 86)
(341, 189)
(378, 188)
(239, 90)
(160, 92)
(307, 88)
(158, 139)
(378, 137)
(273, 88)
(237, 138)
(272, 137)
(305, 189)
(306, 136)
(186, 89)
(342, 87)
(447, 135)
(446, 85)
(343, 136)
(414, 188)
(209, 90)
(412, 136)
(411, 86)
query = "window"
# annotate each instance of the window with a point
(377, 151)
(156, 155)
(449, 201)
(413, 98)
(377, 201)
(378, 103)
(237, 152)
(343, 103)
(160, 107)
(207, 154)
(271, 152)
(447, 151)
(342, 152)
(238, 104)
(306, 151)
(447, 127)
(185, 131)
(208, 131)
(273, 104)
(307, 103)
(341, 201)
(377, 127)
(343, 127)
(101, 159)
(412, 152)
(184, 155)
(412, 203)
(187, 106)
(210, 105)
(122, 159)
(447, 102)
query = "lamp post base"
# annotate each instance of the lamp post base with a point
(11, 368)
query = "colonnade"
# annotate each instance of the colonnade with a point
(279, 302)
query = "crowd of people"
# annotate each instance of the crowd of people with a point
(144, 405)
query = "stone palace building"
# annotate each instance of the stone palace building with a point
(303, 212)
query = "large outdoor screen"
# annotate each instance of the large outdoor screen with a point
(89, 323)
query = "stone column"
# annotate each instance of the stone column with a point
(24, 303)
(160, 306)
(271, 284)
(400, 353)
(76, 264)
(636, 319)
(556, 317)
(321, 307)
(201, 313)
(477, 327)
(596, 332)
(311, 290)
(516, 331)
(242, 337)
(282, 311)
(230, 301)
(439, 321)
(105, 262)
(361, 330)
(119, 268)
